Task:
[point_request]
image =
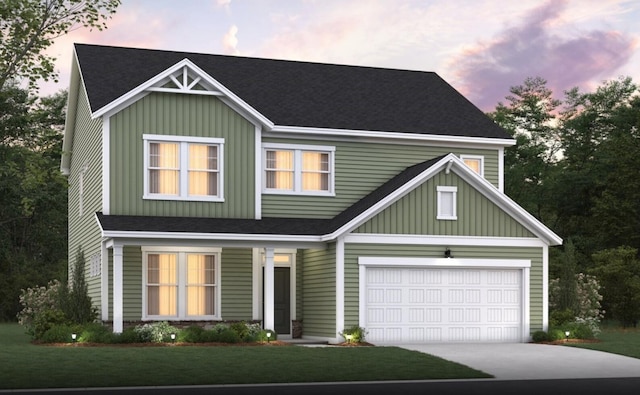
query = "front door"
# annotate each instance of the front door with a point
(282, 300)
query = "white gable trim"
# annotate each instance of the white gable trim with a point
(456, 165)
(184, 67)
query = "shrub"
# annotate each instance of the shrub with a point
(262, 336)
(240, 328)
(226, 336)
(192, 334)
(58, 334)
(156, 332)
(96, 333)
(356, 333)
(556, 334)
(580, 330)
(35, 303)
(540, 336)
(254, 331)
(74, 298)
(127, 336)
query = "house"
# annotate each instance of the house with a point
(308, 197)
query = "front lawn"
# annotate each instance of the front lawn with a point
(24, 365)
(616, 341)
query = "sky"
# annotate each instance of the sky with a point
(481, 47)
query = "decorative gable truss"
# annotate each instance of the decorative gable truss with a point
(187, 78)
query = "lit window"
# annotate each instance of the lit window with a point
(181, 284)
(298, 169)
(447, 203)
(474, 162)
(178, 168)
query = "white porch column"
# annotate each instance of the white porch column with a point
(117, 289)
(268, 290)
(104, 282)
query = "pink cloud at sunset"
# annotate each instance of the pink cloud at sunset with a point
(488, 69)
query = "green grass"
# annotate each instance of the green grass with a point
(616, 341)
(25, 365)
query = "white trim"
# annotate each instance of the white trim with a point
(269, 319)
(408, 239)
(443, 262)
(447, 191)
(501, 169)
(104, 282)
(340, 312)
(106, 165)
(183, 190)
(181, 307)
(479, 158)
(211, 236)
(545, 288)
(319, 132)
(256, 284)
(526, 304)
(118, 312)
(298, 150)
(258, 172)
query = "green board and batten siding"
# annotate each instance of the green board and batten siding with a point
(319, 292)
(361, 168)
(84, 231)
(416, 213)
(181, 115)
(353, 251)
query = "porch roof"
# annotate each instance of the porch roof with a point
(264, 226)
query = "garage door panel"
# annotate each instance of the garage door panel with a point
(443, 305)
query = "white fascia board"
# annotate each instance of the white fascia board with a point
(448, 139)
(210, 236)
(142, 90)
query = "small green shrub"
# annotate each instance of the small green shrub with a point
(356, 333)
(192, 334)
(45, 320)
(96, 333)
(254, 331)
(556, 334)
(579, 330)
(57, 334)
(227, 336)
(219, 327)
(127, 336)
(558, 318)
(240, 328)
(540, 336)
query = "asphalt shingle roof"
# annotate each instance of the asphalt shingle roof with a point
(265, 226)
(302, 94)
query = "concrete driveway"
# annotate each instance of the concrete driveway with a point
(522, 361)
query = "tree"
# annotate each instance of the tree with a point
(28, 28)
(529, 165)
(33, 213)
(618, 270)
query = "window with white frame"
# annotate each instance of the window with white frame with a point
(474, 162)
(447, 202)
(181, 284)
(298, 169)
(183, 168)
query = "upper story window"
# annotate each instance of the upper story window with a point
(447, 202)
(475, 163)
(298, 169)
(183, 168)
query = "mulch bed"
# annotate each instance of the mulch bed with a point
(575, 341)
(274, 343)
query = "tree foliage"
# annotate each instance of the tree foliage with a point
(28, 28)
(575, 167)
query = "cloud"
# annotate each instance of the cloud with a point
(230, 41)
(542, 46)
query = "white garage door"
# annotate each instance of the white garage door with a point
(421, 305)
